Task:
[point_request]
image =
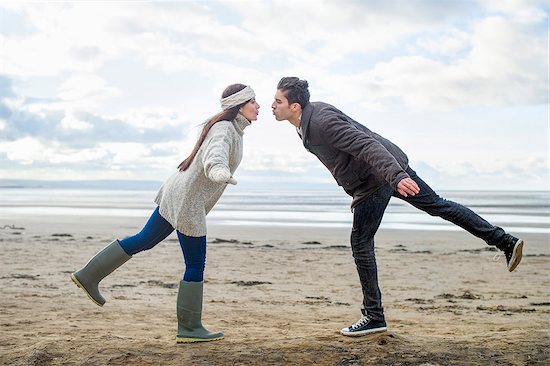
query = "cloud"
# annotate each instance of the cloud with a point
(82, 37)
(85, 90)
(70, 122)
(524, 11)
(451, 43)
(506, 65)
(79, 128)
(92, 80)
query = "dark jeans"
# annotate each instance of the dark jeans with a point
(368, 215)
(156, 230)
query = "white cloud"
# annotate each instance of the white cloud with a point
(282, 161)
(85, 89)
(29, 150)
(150, 118)
(449, 44)
(524, 11)
(70, 122)
(24, 151)
(67, 36)
(506, 65)
(126, 153)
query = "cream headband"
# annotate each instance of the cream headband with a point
(238, 98)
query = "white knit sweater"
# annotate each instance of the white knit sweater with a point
(186, 197)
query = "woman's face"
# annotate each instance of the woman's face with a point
(250, 110)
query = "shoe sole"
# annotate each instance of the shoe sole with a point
(194, 340)
(516, 255)
(78, 284)
(363, 332)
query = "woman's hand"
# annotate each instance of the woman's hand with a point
(222, 176)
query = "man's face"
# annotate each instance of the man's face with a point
(281, 109)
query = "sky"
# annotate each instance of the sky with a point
(119, 89)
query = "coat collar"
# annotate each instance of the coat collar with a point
(304, 123)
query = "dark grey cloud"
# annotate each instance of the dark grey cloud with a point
(47, 125)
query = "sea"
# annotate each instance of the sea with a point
(517, 211)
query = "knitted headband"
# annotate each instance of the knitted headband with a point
(238, 98)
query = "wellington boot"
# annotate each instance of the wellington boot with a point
(102, 264)
(189, 310)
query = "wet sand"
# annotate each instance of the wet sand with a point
(279, 294)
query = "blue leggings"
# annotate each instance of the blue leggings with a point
(156, 230)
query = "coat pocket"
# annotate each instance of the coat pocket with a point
(349, 180)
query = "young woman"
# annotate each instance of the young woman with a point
(183, 203)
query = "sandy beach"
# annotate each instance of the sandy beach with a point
(279, 294)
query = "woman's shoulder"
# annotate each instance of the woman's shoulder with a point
(222, 124)
(220, 128)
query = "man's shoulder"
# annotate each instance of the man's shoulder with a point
(322, 107)
(322, 111)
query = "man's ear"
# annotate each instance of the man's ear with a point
(295, 107)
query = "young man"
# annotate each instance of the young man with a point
(372, 169)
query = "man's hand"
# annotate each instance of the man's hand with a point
(407, 187)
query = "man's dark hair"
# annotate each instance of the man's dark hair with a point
(296, 90)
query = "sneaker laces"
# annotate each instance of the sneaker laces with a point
(360, 323)
(507, 252)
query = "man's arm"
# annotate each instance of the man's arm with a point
(346, 137)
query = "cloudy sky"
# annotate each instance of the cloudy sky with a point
(117, 90)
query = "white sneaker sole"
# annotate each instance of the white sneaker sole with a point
(346, 332)
(516, 255)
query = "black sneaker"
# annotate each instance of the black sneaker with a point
(364, 326)
(513, 254)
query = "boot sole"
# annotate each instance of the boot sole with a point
(516, 255)
(194, 340)
(78, 284)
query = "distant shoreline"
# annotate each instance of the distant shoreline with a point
(127, 184)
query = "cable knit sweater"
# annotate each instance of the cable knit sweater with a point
(186, 197)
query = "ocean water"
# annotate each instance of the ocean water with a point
(518, 212)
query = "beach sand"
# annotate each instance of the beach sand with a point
(279, 294)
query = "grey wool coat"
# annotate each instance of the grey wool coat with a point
(360, 160)
(187, 196)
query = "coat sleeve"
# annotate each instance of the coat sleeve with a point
(344, 136)
(217, 150)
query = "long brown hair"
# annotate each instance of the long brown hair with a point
(226, 115)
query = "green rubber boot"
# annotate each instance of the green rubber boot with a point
(189, 310)
(100, 266)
